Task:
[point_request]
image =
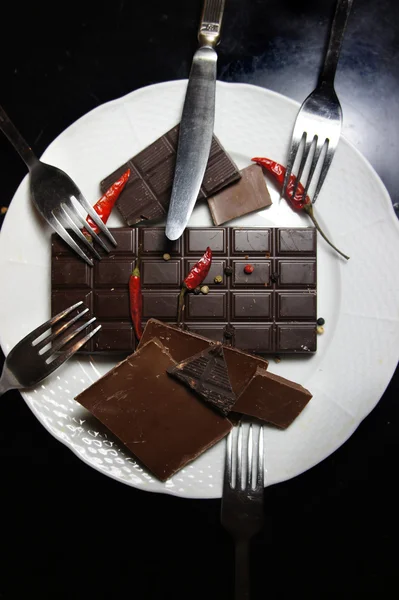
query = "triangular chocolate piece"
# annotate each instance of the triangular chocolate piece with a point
(207, 374)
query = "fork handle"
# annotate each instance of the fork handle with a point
(16, 139)
(338, 27)
(242, 570)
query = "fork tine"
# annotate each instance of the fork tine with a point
(90, 210)
(66, 210)
(250, 455)
(60, 330)
(61, 341)
(260, 472)
(36, 333)
(324, 170)
(96, 237)
(239, 462)
(84, 224)
(62, 232)
(315, 160)
(61, 358)
(228, 470)
(296, 142)
(306, 150)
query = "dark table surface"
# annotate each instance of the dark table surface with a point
(66, 530)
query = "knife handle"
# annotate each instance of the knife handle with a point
(211, 23)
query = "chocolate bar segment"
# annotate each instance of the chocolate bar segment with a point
(247, 195)
(147, 193)
(207, 374)
(272, 398)
(159, 420)
(269, 311)
(182, 344)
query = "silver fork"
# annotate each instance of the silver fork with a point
(319, 120)
(242, 500)
(53, 192)
(30, 361)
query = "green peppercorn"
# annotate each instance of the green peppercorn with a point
(204, 289)
(218, 279)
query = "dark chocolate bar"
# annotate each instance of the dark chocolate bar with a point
(160, 420)
(207, 374)
(147, 193)
(271, 310)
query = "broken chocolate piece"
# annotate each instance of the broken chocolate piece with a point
(182, 344)
(272, 398)
(161, 421)
(245, 196)
(207, 374)
(147, 193)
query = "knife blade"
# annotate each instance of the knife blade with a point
(196, 125)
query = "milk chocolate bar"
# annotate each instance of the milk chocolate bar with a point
(272, 398)
(157, 418)
(247, 195)
(271, 310)
(147, 193)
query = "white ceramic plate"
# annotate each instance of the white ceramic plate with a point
(359, 300)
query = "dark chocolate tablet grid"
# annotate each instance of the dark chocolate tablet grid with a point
(270, 311)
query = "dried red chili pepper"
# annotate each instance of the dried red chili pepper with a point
(297, 202)
(195, 277)
(105, 204)
(136, 300)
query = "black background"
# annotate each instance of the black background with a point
(67, 531)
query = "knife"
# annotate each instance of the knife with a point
(196, 126)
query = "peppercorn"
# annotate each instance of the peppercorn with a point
(320, 329)
(166, 256)
(274, 277)
(197, 291)
(218, 279)
(228, 271)
(320, 321)
(248, 269)
(204, 289)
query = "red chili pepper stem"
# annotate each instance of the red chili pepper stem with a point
(296, 200)
(308, 208)
(181, 302)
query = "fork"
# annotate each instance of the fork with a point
(53, 192)
(242, 499)
(30, 360)
(319, 120)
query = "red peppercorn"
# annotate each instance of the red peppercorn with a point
(248, 269)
